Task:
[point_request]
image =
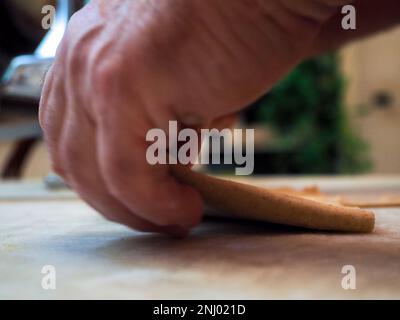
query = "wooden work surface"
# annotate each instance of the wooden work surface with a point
(221, 259)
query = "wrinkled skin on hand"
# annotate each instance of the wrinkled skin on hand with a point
(125, 67)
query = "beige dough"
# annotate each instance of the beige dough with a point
(313, 193)
(383, 202)
(240, 200)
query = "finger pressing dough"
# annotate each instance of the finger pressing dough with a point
(240, 200)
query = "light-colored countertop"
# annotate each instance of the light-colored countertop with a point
(222, 259)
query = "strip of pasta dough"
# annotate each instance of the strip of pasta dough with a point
(233, 199)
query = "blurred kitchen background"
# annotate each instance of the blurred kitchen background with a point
(336, 114)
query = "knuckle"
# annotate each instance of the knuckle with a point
(116, 177)
(76, 61)
(69, 153)
(79, 47)
(104, 77)
(113, 165)
(78, 55)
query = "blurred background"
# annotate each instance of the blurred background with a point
(335, 114)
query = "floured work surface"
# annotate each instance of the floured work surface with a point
(221, 259)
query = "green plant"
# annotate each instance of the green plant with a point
(306, 111)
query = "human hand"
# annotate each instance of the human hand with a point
(125, 67)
